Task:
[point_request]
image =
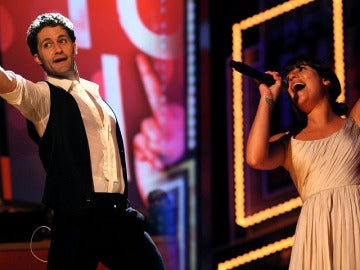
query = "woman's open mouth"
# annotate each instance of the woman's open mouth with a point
(298, 86)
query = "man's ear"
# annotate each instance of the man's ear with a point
(75, 49)
(37, 59)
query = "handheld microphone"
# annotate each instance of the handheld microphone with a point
(261, 77)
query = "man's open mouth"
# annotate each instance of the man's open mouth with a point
(59, 60)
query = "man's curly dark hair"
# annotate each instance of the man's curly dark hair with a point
(47, 19)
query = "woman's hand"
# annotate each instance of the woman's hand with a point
(271, 93)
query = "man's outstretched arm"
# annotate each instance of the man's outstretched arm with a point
(7, 82)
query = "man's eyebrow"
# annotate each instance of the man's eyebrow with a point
(44, 40)
(48, 38)
(63, 35)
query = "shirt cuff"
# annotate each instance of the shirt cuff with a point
(13, 97)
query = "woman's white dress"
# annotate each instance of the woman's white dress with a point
(326, 173)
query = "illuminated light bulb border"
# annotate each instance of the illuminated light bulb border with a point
(257, 254)
(272, 13)
(339, 62)
(191, 74)
(339, 66)
(241, 218)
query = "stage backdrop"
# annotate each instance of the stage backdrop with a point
(142, 54)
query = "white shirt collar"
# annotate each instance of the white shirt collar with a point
(66, 84)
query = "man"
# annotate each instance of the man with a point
(81, 149)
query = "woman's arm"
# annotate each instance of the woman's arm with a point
(355, 112)
(263, 152)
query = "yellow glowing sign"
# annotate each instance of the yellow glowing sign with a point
(256, 254)
(240, 216)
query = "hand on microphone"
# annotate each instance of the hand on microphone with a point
(272, 80)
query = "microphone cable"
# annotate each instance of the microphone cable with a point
(31, 242)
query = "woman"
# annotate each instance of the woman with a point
(322, 156)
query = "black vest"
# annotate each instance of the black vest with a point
(64, 153)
